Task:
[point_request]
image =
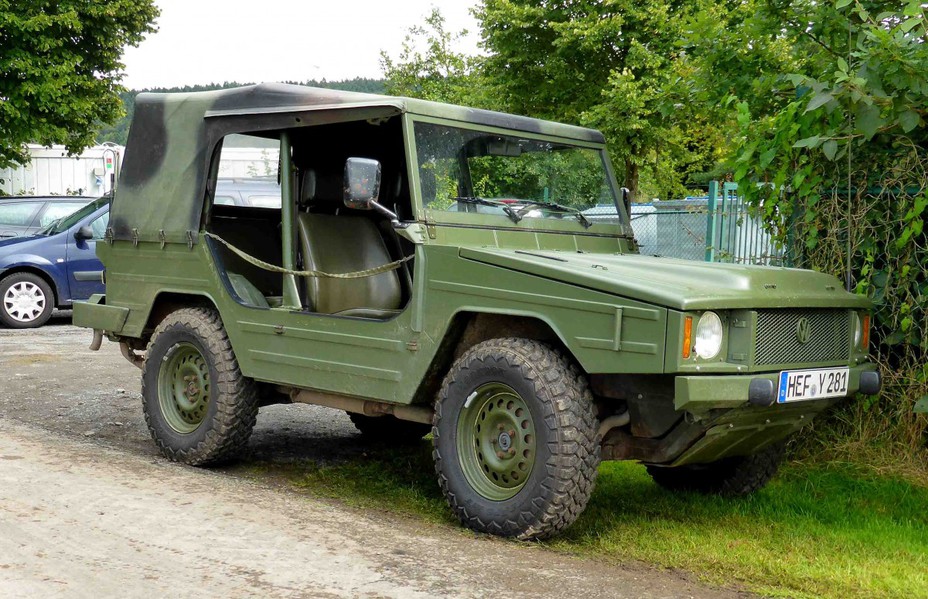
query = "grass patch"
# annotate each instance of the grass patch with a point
(400, 480)
(820, 530)
(828, 531)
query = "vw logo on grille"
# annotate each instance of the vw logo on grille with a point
(803, 330)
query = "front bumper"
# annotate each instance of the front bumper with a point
(743, 426)
(699, 394)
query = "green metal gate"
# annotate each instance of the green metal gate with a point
(735, 232)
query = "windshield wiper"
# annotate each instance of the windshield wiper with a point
(507, 209)
(554, 206)
(49, 228)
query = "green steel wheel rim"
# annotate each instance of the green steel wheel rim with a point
(183, 388)
(496, 441)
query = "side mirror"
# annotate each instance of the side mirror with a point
(627, 201)
(83, 234)
(362, 183)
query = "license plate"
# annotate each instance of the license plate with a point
(803, 385)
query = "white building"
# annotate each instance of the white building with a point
(52, 172)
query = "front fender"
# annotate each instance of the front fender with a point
(604, 333)
(19, 260)
(35, 263)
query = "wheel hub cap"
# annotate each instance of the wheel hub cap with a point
(496, 441)
(505, 441)
(24, 301)
(183, 388)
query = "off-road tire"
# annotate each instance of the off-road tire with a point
(566, 454)
(731, 477)
(232, 404)
(389, 430)
(35, 282)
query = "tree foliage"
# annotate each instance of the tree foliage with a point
(429, 67)
(619, 66)
(60, 67)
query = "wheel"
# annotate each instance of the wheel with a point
(389, 430)
(198, 406)
(515, 440)
(26, 301)
(731, 477)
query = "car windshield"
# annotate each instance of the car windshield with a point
(63, 224)
(462, 170)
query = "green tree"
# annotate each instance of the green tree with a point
(618, 65)
(60, 69)
(429, 67)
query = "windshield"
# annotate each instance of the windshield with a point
(461, 170)
(69, 221)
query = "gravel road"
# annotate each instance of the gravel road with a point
(88, 508)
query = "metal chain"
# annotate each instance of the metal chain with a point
(370, 272)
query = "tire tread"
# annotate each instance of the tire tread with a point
(732, 477)
(236, 395)
(570, 471)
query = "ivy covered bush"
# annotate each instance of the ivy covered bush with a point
(840, 170)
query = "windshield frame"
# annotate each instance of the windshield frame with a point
(501, 221)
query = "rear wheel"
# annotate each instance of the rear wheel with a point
(26, 301)
(389, 429)
(199, 407)
(731, 477)
(515, 440)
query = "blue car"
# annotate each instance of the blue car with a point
(53, 267)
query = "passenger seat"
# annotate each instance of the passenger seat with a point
(341, 243)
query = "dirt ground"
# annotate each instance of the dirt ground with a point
(88, 508)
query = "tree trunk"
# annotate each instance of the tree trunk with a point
(631, 178)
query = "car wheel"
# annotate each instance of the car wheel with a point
(515, 439)
(731, 477)
(198, 406)
(26, 301)
(389, 430)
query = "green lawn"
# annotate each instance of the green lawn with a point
(817, 530)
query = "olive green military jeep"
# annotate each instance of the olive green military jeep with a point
(430, 269)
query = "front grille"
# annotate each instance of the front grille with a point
(776, 340)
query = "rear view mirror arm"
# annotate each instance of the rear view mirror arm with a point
(386, 212)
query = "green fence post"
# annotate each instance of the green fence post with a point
(732, 208)
(710, 221)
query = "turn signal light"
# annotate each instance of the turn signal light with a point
(687, 336)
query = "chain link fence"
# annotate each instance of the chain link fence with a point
(719, 227)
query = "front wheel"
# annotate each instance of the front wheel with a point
(199, 407)
(515, 440)
(731, 477)
(26, 301)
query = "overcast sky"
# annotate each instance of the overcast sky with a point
(213, 41)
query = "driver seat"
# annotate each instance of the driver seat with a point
(341, 243)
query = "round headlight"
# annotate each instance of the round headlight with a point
(708, 336)
(858, 330)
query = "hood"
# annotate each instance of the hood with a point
(679, 284)
(20, 244)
